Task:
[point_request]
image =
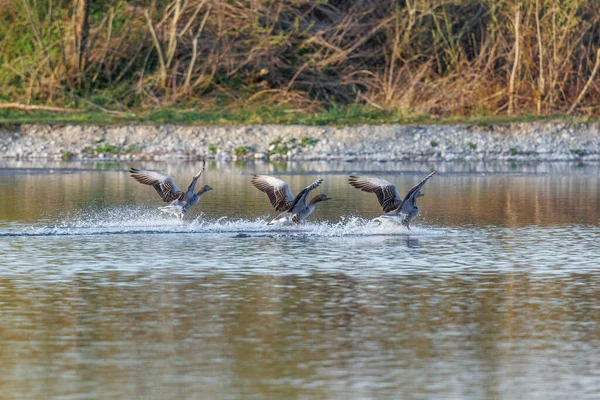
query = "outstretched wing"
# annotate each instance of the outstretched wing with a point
(189, 193)
(406, 205)
(163, 184)
(386, 192)
(300, 202)
(279, 193)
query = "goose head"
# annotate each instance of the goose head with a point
(205, 189)
(320, 197)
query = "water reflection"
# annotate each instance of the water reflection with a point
(495, 295)
(563, 194)
(153, 335)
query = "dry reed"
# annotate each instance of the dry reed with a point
(451, 57)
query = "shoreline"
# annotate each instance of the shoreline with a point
(536, 141)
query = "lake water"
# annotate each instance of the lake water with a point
(494, 295)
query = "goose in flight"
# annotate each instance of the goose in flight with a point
(294, 209)
(396, 210)
(179, 201)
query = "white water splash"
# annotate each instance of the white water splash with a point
(128, 220)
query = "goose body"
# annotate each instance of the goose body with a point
(294, 209)
(397, 210)
(179, 201)
(289, 217)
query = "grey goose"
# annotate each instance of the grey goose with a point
(294, 208)
(179, 201)
(396, 210)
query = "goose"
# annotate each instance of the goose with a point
(295, 209)
(179, 202)
(396, 210)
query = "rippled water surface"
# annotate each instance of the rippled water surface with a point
(494, 295)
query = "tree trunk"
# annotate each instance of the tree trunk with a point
(81, 29)
(513, 74)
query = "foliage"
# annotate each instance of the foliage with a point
(307, 141)
(577, 152)
(241, 151)
(366, 115)
(108, 149)
(302, 61)
(280, 149)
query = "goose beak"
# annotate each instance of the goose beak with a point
(327, 198)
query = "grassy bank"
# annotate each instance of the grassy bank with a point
(399, 60)
(339, 116)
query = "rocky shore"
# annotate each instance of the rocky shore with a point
(525, 141)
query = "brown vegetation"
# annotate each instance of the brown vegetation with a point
(451, 57)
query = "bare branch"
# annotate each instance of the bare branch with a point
(29, 108)
(588, 83)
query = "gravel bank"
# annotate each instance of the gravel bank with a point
(530, 141)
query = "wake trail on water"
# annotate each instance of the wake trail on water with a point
(131, 221)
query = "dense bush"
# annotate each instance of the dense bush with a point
(449, 57)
